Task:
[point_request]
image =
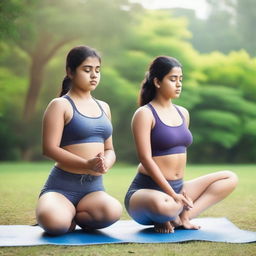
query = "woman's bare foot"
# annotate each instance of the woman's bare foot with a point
(164, 228)
(176, 223)
(188, 225)
(185, 222)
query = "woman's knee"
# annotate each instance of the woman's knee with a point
(111, 214)
(98, 218)
(53, 223)
(167, 207)
(230, 178)
(109, 211)
(112, 210)
(233, 179)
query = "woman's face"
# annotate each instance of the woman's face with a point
(171, 84)
(87, 75)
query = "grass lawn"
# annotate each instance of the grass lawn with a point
(20, 184)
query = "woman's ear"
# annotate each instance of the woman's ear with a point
(156, 82)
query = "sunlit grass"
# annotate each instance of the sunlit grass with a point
(20, 184)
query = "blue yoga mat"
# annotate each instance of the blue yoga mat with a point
(127, 231)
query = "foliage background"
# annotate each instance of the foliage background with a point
(218, 57)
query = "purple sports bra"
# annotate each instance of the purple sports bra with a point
(167, 140)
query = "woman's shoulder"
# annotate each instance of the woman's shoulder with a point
(182, 109)
(59, 103)
(184, 112)
(143, 110)
(143, 113)
(104, 105)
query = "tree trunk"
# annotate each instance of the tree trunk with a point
(39, 58)
(35, 84)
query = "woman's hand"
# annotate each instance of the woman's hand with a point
(97, 164)
(184, 200)
(188, 199)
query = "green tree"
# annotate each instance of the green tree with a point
(49, 25)
(236, 70)
(223, 116)
(156, 33)
(42, 29)
(10, 11)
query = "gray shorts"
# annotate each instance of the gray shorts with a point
(73, 186)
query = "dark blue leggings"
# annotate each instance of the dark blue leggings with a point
(73, 186)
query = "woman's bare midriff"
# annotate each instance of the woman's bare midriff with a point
(172, 166)
(84, 150)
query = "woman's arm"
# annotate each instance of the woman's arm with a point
(53, 124)
(141, 127)
(109, 152)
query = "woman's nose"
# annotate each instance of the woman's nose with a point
(93, 74)
(179, 83)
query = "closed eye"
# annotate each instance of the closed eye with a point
(175, 78)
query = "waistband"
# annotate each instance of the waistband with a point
(144, 181)
(144, 176)
(73, 176)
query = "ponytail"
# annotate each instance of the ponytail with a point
(66, 86)
(147, 91)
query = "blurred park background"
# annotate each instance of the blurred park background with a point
(218, 53)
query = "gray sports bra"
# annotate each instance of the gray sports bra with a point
(85, 129)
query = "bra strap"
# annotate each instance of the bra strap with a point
(101, 108)
(181, 115)
(153, 111)
(70, 100)
(156, 115)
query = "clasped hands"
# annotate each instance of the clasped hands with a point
(98, 164)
